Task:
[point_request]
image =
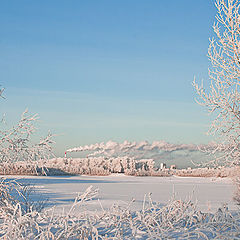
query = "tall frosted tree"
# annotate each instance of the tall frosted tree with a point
(222, 96)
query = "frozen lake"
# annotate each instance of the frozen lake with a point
(210, 193)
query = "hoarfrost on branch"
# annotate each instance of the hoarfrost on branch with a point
(222, 98)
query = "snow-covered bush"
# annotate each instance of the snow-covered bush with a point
(12, 193)
(16, 145)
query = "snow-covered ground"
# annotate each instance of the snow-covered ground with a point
(210, 193)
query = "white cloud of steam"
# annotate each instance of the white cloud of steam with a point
(127, 146)
(157, 150)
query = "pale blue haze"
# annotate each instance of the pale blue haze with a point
(101, 70)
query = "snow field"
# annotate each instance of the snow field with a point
(208, 193)
(82, 218)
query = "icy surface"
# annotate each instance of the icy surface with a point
(210, 193)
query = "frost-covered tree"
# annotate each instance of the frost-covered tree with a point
(222, 96)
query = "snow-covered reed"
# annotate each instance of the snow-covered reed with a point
(176, 220)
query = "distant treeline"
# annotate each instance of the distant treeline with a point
(102, 166)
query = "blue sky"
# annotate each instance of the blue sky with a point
(101, 70)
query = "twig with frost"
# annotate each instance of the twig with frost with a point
(16, 145)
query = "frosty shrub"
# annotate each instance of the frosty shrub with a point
(12, 192)
(16, 145)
